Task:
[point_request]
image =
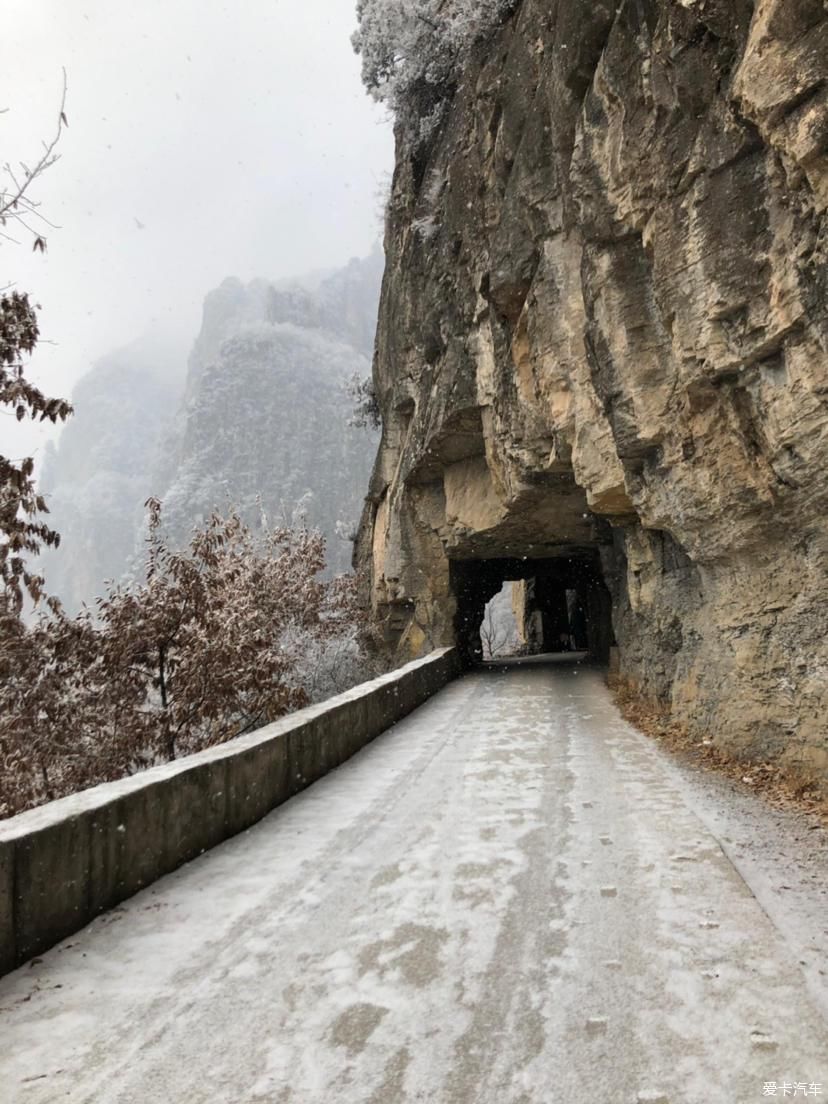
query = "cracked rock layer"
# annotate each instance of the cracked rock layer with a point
(604, 332)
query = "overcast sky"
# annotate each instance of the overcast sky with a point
(205, 139)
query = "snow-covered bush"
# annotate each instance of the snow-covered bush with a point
(413, 51)
(366, 412)
(326, 666)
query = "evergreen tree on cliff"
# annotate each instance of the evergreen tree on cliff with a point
(412, 51)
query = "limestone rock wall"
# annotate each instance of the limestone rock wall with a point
(604, 330)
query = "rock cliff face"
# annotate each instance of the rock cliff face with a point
(256, 418)
(96, 480)
(602, 357)
(264, 421)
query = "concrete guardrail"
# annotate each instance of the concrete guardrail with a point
(64, 863)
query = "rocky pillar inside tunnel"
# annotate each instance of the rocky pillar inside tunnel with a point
(528, 617)
(578, 622)
(555, 618)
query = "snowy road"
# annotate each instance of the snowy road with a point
(504, 900)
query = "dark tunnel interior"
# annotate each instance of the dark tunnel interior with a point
(564, 604)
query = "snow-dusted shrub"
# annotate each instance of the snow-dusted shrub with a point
(366, 412)
(413, 51)
(326, 666)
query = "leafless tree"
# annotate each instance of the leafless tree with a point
(494, 636)
(17, 205)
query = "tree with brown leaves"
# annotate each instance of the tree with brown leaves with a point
(21, 530)
(21, 507)
(212, 643)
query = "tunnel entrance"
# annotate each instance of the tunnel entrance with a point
(560, 604)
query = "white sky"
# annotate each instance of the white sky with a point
(238, 134)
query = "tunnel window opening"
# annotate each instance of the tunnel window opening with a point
(499, 635)
(557, 606)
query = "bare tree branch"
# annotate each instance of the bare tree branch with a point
(15, 202)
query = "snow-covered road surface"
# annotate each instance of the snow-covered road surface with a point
(506, 899)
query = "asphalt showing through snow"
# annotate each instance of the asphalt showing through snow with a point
(506, 899)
